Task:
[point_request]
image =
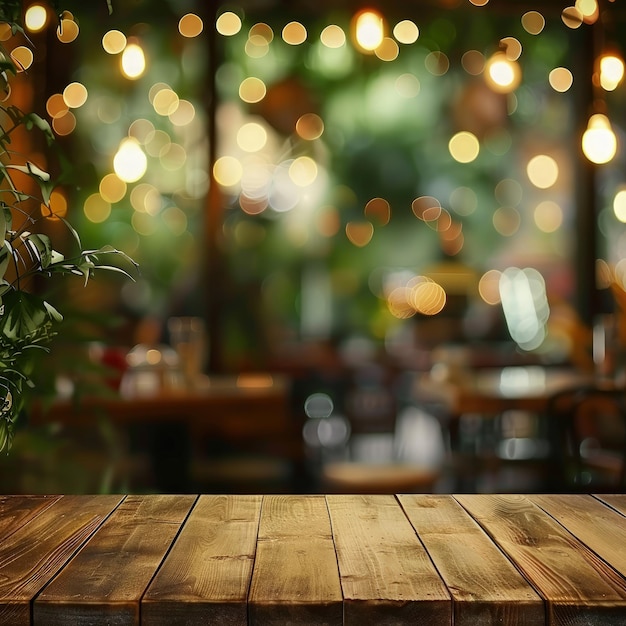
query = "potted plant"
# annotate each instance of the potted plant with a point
(28, 256)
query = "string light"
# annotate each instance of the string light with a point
(599, 142)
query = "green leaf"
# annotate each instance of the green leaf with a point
(24, 315)
(6, 254)
(41, 248)
(32, 170)
(33, 120)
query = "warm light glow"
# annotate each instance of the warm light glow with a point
(165, 101)
(263, 31)
(388, 50)
(113, 41)
(294, 33)
(75, 95)
(64, 124)
(112, 188)
(502, 74)
(489, 287)
(130, 162)
(426, 208)
(543, 171)
(533, 22)
(252, 90)
(561, 79)
(427, 297)
(406, 32)
(619, 205)
(251, 137)
(133, 61)
(512, 48)
(67, 30)
(599, 142)
(303, 171)
(22, 57)
(96, 209)
(589, 10)
(184, 114)
(310, 126)
(333, 36)
(369, 30)
(227, 171)
(379, 210)
(464, 147)
(228, 24)
(359, 233)
(611, 71)
(56, 105)
(190, 25)
(548, 216)
(57, 207)
(35, 18)
(572, 17)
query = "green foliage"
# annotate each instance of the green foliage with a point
(28, 322)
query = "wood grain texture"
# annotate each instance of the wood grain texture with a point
(15, 511)
(593, 523)
(579, 588)
(34, 553)
(386, 574)
(206, 576)
(486, 588)
(105, 581)
(295, 578)
(617, 501)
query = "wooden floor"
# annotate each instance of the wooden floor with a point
(408, 559)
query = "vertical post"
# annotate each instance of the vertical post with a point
(213, 270)
(585, 249)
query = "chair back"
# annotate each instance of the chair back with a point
(589, 427)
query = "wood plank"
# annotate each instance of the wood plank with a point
(579, 588)
(104, 582)
(386, 575)
(206, 576)
(486, 588)
(34, 553)
(617, 501)
(598, 526)
(295, 578)
(15, 511)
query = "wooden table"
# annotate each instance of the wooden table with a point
(490, 391)
(409, 559)
(246, 412)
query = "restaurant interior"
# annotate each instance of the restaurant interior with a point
(379, 246)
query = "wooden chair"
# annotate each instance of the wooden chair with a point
(589, 434)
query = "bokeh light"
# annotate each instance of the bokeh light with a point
(35, 18)
(542, 171)
(113, 41)
(190, 25)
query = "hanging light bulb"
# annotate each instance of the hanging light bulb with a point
(369, 30)
(502, 74)
(611, 71)
(599, 142)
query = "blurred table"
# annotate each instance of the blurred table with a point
(251, 412)
(271, 559)
(490, 391)
(486, 395)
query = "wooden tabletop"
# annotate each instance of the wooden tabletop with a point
(409, 559)
(490, 391)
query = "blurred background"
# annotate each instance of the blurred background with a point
(333, 199)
